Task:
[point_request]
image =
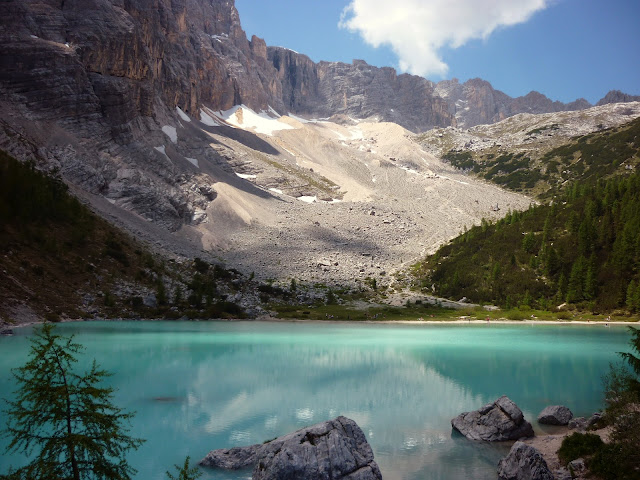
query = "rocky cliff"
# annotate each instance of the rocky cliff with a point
(93, 88)
(111, 93)
(616, 96)
(358, 90)
(476, 102)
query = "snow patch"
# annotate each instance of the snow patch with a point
(245, 176)
(289, 152)
(276, 190)
(299, 119)
(243, 117)
(207, 119)
(409, 170)
(33, 36)
(194, 161)
(457, 181)
(171, 133)
(220, 37)
(285, 48)
(161, 149)
(356, 133)
(183, 115)
(308, 199)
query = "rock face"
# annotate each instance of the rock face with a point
(476, 102)
(92, 88)
(495, 422)
(110, 94)
(523, 463)
(616, 96)
(336, 449)
(358, 90)
(555, 415)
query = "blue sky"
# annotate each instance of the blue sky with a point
(565, 49)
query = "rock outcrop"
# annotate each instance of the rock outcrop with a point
(476, 102)
(336, 449)
(498, 421)
(555, 415)
(581, 423)
(523, 463)
(616, 96)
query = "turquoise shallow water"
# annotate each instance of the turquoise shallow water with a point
(200, 386)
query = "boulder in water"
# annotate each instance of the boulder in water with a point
(495, 422)
(332, 450)
(555, 415)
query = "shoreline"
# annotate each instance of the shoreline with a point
(265, 319)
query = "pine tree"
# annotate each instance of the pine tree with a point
(632, 296)
(185, 472)
(575, 289)
(68, 420)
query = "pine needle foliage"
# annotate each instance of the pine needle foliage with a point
(185, 472)
(65, 420)
(584, 249)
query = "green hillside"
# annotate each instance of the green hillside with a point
(582, 250)
(545, 174)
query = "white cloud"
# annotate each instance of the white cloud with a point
(416, 30)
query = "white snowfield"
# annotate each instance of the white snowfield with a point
(243, 117)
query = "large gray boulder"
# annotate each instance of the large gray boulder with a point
(495, 422)
(332, 450)
(523, 463)
(555, 415)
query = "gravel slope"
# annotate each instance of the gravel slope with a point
(398, 202)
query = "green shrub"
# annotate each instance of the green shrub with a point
(611, 462)
(579, 445)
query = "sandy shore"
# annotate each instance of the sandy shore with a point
(387, 322)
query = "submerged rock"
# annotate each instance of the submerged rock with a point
(498, 421)
(336, 449)
(555, 415)
(523, 463)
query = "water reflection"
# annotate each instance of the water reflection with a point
(196, 387)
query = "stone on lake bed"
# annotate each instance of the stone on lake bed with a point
(332, 450)
(495, 422)
(555, 415)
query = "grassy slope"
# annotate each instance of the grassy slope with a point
(590, 157)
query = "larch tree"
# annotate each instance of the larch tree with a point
(66, 422)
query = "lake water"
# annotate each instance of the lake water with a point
(197, 386)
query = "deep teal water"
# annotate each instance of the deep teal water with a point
(197, 386)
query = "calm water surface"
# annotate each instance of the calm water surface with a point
(199, 386)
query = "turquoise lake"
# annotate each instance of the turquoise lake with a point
(196, 386)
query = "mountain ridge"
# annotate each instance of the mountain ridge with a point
(120, 98)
